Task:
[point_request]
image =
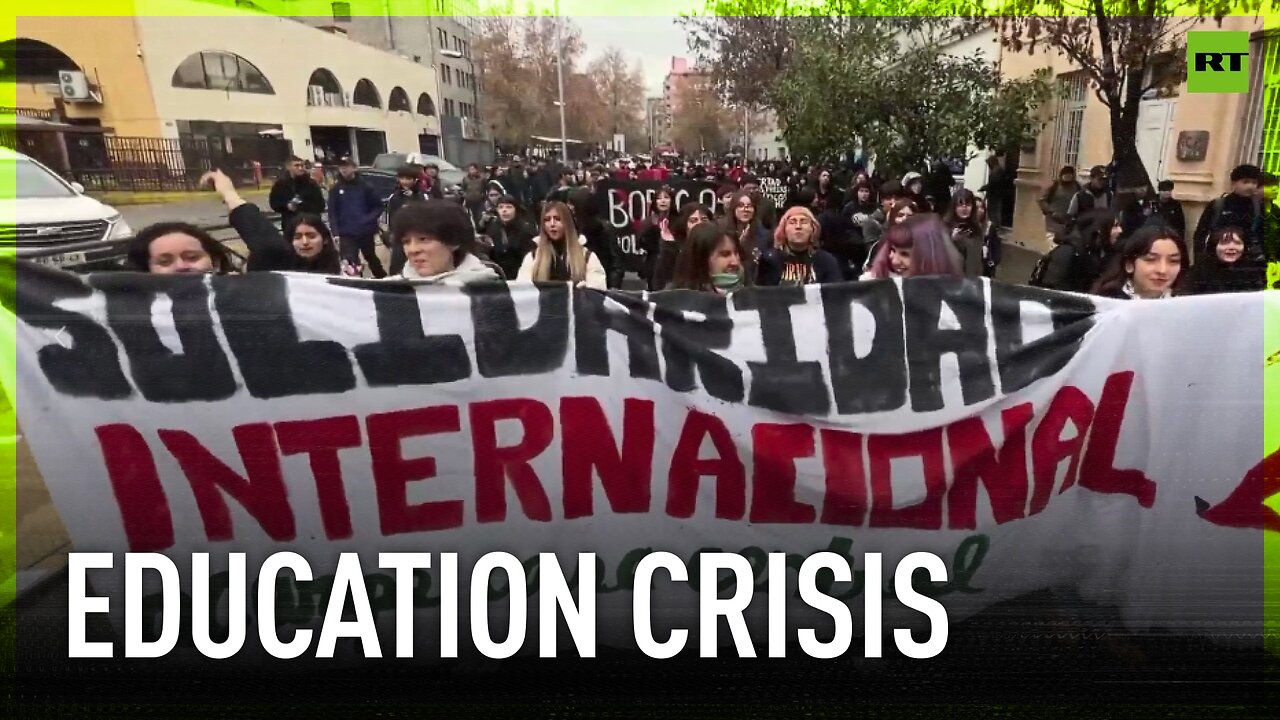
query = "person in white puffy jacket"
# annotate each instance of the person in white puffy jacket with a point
(561, 254)
(437, 237)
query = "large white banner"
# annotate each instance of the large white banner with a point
(1031, 439)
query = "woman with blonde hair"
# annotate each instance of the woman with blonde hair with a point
(561, 254)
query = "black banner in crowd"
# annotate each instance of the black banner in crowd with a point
(625, 205)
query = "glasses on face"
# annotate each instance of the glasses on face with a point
(746, 206)
(798, 222)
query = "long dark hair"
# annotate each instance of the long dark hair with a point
(1114, 276)
(653, 206)
(328, 262)
(965, 196)
(680, 228)
(731, 213)
(692, 267)
(139, 254)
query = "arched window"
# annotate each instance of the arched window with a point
(216, 70)
(34, 62)
(399, 100)
(330, 92)
(366, 94)
(426, 108)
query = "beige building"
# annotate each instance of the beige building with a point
(227, 75)
(1080, 134)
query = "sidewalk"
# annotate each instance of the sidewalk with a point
(205, 212)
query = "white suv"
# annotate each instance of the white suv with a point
(52, 222)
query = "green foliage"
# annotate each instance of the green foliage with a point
(852, 83)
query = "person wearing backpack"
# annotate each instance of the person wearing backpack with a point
(1093, 197)
(1241, 208)
(1078, 258)
(1056, 200)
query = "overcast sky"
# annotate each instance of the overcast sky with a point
(651, 40)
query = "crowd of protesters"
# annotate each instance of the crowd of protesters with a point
(540, 222)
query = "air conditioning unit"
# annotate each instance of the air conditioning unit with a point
(346, 99)
(74, 85)
(315, 95)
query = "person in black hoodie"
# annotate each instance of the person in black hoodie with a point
(511, 237)
(1077, 260)
(860, 207)
(1224, 267)
(600, 237)
(1169, 209)
(295, 193)
(1240, 208)
(408, 189)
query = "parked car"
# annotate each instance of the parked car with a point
(450, 174)
(55, 223)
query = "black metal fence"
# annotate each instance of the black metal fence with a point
(109, 162)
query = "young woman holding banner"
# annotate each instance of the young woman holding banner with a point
(710, 262)
(1149, 266)
(561, 255)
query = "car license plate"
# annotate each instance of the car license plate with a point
(61, 259)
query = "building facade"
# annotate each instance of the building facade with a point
(766, 141)
(681, 77)
(654, 122)
(441, 41)
(248, 77)
(1170, 131)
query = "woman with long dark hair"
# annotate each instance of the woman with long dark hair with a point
(919, 245)
(1149, 266)
(966, 234)
(691, 216)
(1224, 267)
(743, 222)
(710, 262)
(656, 230)
(183, 248)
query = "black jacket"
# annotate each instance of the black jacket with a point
(511, 242)
(1210, 275)
(774, 263)
(399, 198)
(303, 188)
(1232, 210)
(268, 249)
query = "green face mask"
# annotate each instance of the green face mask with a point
(727, 281)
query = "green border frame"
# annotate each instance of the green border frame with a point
(620, 8)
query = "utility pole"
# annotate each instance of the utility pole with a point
(564, 143)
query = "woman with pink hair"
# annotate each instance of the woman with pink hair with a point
(920, 245)
(794, 258)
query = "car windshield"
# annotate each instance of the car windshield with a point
(389, 161)
(34, 181)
